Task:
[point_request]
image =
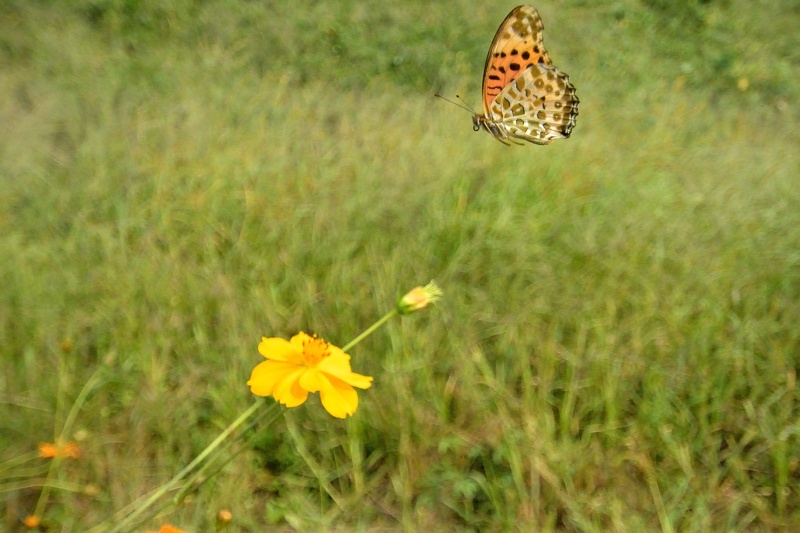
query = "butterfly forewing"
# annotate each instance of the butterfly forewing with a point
(516, 46)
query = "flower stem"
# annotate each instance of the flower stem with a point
(367, 332)
(65, 430)
(129, 519)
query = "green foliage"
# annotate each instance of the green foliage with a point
(617, 349)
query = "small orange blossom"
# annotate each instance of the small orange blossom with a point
(31, 521)
(167, 528)
(49, 450)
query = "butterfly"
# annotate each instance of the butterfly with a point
(524, 96)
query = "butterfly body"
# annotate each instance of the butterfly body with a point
(525, 96)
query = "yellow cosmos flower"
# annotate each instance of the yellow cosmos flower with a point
(306, 364)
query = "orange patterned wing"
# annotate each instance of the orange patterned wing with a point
(516, 46)
(539, 107)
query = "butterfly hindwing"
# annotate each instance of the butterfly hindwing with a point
(538, 106)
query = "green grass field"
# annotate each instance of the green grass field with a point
(619, 341)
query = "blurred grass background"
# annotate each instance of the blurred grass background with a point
(618, 346)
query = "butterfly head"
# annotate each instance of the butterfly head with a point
(478, 121)
(501, 134)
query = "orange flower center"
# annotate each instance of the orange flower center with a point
(314, 351)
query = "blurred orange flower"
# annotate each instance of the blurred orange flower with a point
(49, 450)
(167, 528)
(31, 521)
(224, 516)
(71, 450)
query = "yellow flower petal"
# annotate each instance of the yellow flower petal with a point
(278, 349)
(337, 365)
(338, 353)
(312, 380)
(300, 339)
(359, 380)
(339, 399)
(267, 374)
(288, 391)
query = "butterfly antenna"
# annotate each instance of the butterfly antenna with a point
(467, 105)
(462, 105)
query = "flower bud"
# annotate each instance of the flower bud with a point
(418, 298)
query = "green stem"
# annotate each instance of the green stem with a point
(13, 463)
(41, 483)
(180, 475)
(212, 468)
(59, 440)
(192, 484)
(139, 509)
(367, 332)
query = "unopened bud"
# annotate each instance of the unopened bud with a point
(418, 298)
